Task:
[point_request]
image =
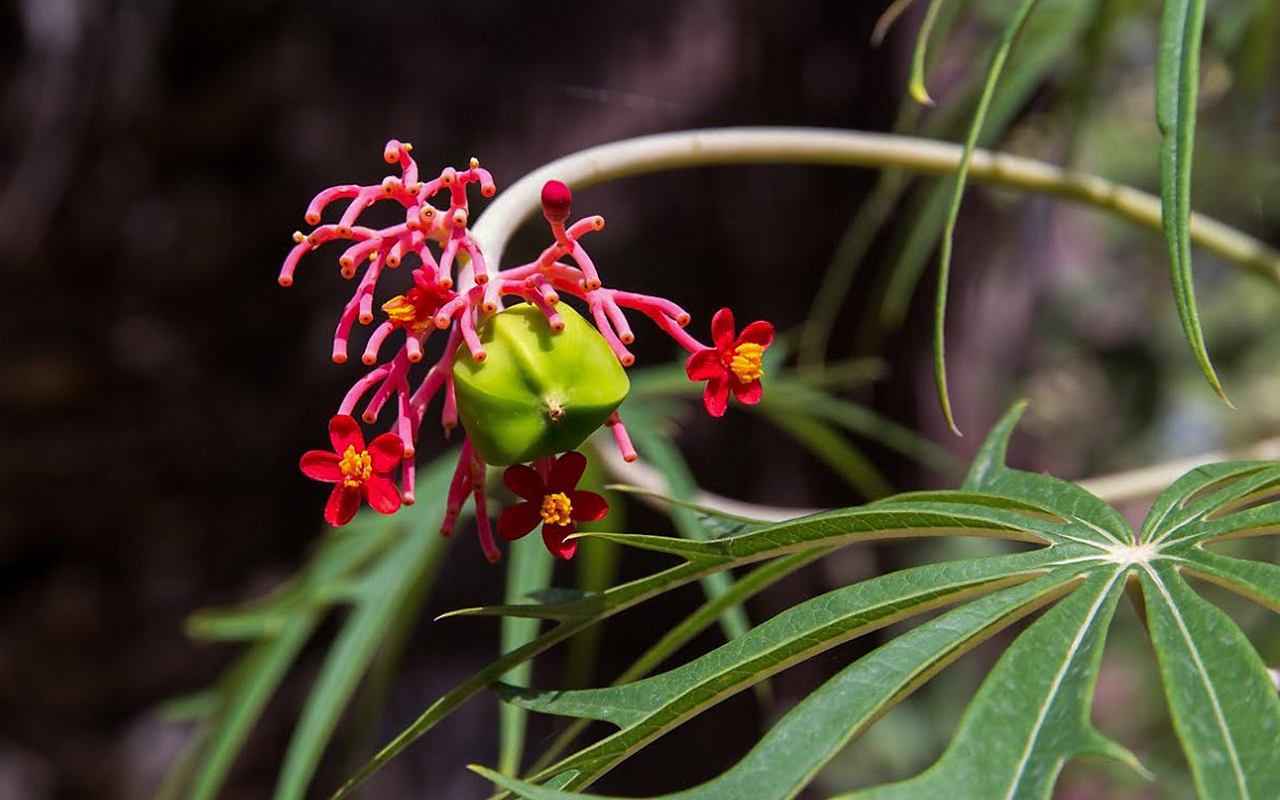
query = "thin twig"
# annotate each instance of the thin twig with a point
(1147, 482)
(1116, 488)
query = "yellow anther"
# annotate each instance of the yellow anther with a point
(356, 466)
(408, 148)
(745, 362)
(475, 162)
(298, 237)
(556, 509)
(399, 309)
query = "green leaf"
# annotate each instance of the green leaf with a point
(701, 558)
(381, 595)
(793, 751)
(1054, 32)
(528, 570)
(1256, 580)
(1215, 502)
(1225, 708)
(790, 395)
(1177, 88)
(663, 455)
(915, 85)
(834, 450)
(244, 692)
(743, 588)
(650, 707)
(596, 569)
(1011, 32)
(1031, 714)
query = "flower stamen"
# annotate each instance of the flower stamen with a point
(356, 466)
(744, 361)
(556, 509)
(400, 310)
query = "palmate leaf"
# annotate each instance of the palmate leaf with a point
(1032, 713)
(701, 558)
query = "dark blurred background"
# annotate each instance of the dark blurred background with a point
(157, 386)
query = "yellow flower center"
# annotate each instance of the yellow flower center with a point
(745, 362)
(356, 467)
(401, 310)
(556, 509)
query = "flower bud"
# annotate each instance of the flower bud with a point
(556, 200)
(538, 393)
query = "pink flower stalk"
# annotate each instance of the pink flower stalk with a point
(435, 239)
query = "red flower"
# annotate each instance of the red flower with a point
(732, 363)
(416, 309)
(358, 472)
(554, 502)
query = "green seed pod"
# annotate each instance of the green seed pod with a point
(538, 393)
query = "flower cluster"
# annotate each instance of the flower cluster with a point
(455, 291)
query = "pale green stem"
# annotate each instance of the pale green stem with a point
(703, 148)
(1132, 486)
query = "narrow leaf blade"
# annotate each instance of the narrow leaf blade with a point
(1225, 708)
(1177, 89)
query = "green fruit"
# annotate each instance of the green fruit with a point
(538, 393)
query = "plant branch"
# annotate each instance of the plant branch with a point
(720, 146)
(1120, 487)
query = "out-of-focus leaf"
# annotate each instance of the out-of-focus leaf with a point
(381, 594)
(916, 84)
(825, 442)
(278, 627)
(528, 570)
(1011, 31)
(662, 454)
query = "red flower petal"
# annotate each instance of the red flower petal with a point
(722, 329)
(748, 393)
(758, 332)
(386, 452)
(525, 482)
(553, 537)
(716, 396)
(320, 465)
(517, 521)
(344, 432)
(383, 494)
(566, 472)
(587, 506)
(342, 505)
(704, 365)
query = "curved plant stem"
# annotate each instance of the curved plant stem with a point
(719, 146)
